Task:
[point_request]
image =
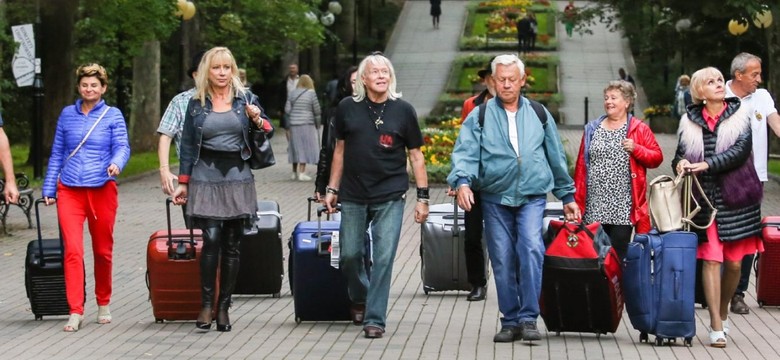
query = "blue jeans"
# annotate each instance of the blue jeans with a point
(516, 249)
(385, 219)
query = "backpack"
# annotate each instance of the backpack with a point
(538, 109)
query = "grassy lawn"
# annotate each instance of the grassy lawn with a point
(774, 166)
(139, 163)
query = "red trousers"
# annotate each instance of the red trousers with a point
(98, 206)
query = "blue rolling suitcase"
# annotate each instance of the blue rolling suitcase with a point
(659, 279)
(319, 289)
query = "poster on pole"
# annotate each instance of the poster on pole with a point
(23, 63)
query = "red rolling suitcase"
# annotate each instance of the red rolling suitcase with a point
(581, 280)
(173, 272)
(768, 267)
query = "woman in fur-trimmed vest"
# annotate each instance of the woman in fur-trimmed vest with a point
(715, 143)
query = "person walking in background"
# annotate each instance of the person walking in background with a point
(346, 89)
(90, 149)
(714, 142)
(374, 130)
(303, 109)
(215, 180)
(611, 171)
(682, 96)
(10, 191)
(435, 12)
(170, 128)
(569, 15)
(622, 75)
(514, 193)
(523, 32)
(533, 32)
(289, 84)
(745, 78)
(472, 246)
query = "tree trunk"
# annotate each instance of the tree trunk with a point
(55, 48)
(345, 25)
(146, 98)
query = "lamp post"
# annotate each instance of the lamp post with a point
(763, 20)
(185, 11)
(354, 32)
(682, 27)
(738, 27)
(38, 92)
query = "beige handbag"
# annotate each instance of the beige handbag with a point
(670, 200)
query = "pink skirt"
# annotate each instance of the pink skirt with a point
(715, 250)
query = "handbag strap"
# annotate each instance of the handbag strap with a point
(690, 180)
(72, 153)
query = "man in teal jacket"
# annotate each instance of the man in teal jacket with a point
(514, 159)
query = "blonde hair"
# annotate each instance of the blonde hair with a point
(626, 89)
(684, 80)
(202, 86)
(699, 78)
(360, 86)
(93, 69)
(305, 82)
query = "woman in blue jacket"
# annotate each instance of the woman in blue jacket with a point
(215, 180)
(90, 149)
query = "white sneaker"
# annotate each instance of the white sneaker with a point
(304, 177)
(294, 176)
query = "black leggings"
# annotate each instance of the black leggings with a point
(620, 236)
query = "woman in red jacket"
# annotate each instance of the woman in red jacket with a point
(610, 176)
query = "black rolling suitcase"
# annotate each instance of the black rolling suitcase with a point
(44, 276)
(261, 270)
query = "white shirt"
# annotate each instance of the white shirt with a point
(760, 105)
(292, 84)
(512, 121)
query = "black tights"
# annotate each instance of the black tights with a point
(620, 236)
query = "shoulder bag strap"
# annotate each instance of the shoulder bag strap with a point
(688, 194)
(88, 133)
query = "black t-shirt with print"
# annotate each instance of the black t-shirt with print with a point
(375, 159)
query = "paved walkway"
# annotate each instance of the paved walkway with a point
(439, 326)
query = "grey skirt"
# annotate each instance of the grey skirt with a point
(304, 145)
(221, 187)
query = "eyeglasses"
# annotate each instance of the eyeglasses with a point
(377, 53)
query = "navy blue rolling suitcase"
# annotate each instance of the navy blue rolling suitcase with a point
(659, 279)
(319, 289)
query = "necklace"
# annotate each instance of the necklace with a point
(378, 120)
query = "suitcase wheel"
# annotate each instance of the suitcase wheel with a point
(297, 320)
(760, 303)
(557, 333)
(158, 320)
(659, 341)
(643, 337)
(425, 290)
(688, 342)
(276, 295)
(38, 317)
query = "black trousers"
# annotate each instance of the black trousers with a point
(620, 236)
(475, 253)
(744, 278)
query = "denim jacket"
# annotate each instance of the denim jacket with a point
(192, 134)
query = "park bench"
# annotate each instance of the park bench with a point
(25, 199)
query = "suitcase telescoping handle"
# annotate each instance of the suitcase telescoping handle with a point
(322, 209)
(313, 200)
(181, 249)
(40, 236)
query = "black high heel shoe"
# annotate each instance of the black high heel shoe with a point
(204, 325)
(224, 327)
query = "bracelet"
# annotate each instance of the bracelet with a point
(422, 193)
(424, 201)
(260, 123)
(330, 190)
(163, 166)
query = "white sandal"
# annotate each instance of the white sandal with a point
(726, 327)
(717, 339)
(74, 322)
(104, 315)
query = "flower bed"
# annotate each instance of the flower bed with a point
(660, 119)
(541, 69)
(437, 149)
(491, 25)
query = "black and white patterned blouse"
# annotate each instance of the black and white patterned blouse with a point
(609, 178)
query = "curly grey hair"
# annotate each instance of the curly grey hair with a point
(626, 89)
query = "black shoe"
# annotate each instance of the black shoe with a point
(477, 293)
(529, 332)
(356, 313)
(373, 332)
(738, 305)
(507, 334)
(223, 321)
(205, 313)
